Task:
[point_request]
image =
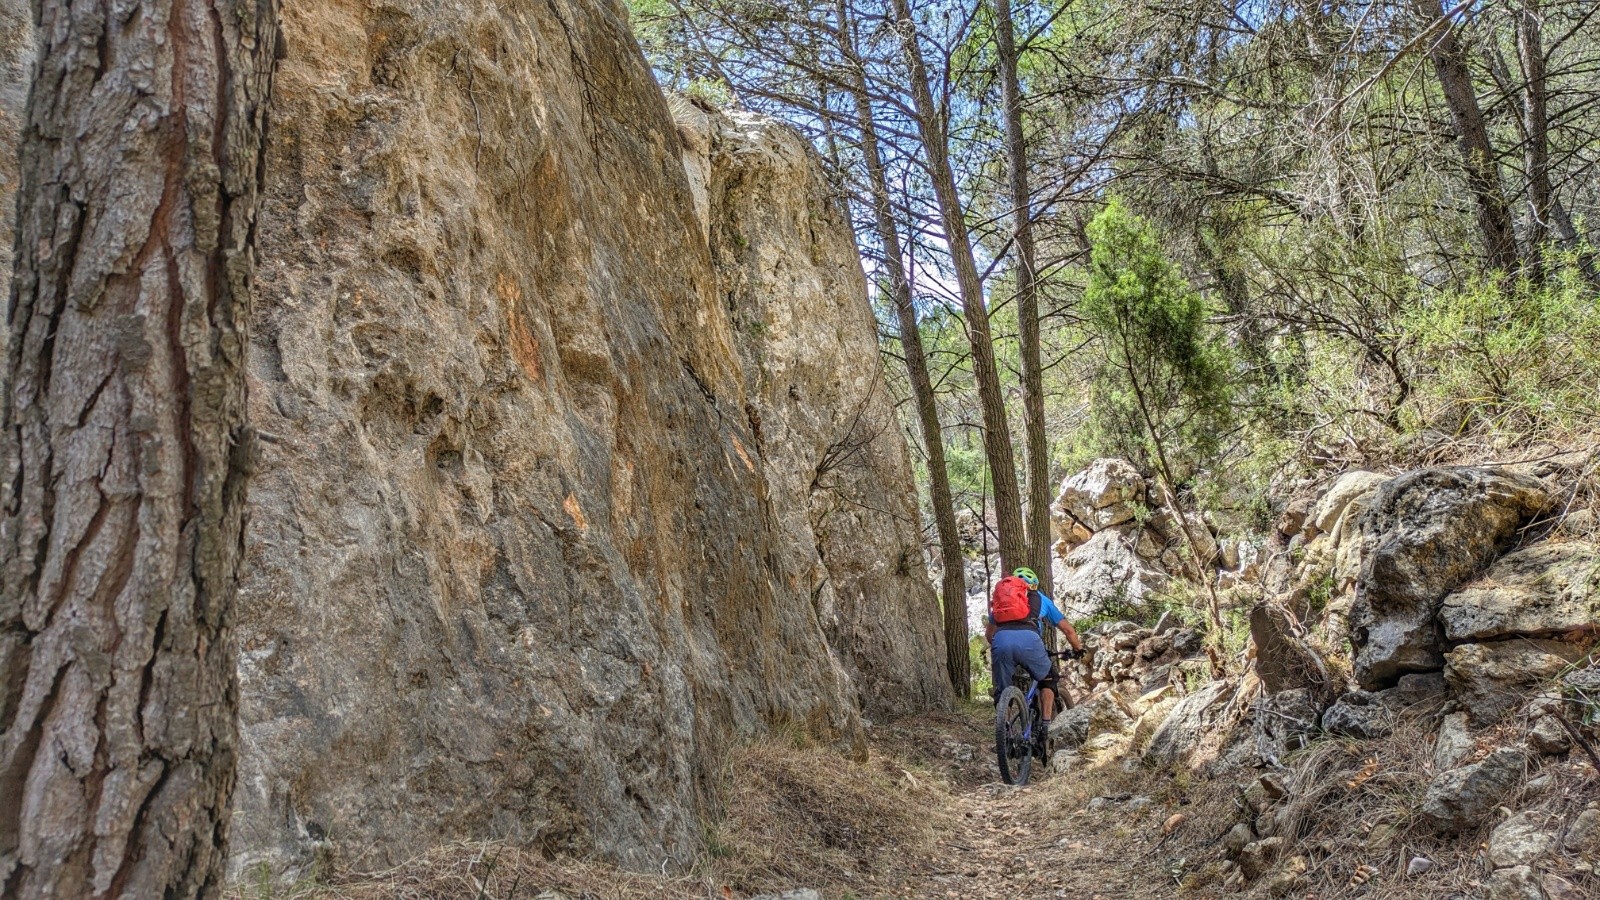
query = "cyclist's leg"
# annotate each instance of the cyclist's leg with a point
(1049, 686)
(1003, 663)
(1032, 656)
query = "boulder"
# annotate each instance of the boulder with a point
(1461, 799)
(1333, 504)
(1359, 714)
(1424, 534)
(1100, 714)
(1415, 695)
(1325, 558)
(1520, 840)
(1490, 680)
(1237, 838)
(1105, 571)
(1585, 682)
(1546, 589)
(1190, 719)
(1548, 737)
(1107, 493)
(1373, 714)
(1583, 835)
(1558, 888)
(1295, 515)
(1257, 857)
(1286, 879)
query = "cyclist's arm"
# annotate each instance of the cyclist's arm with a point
(1072, 635)
(1053, 615)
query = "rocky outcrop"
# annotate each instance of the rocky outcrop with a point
(839, 489)
(1490, 680)
(1426, 533)
(563, 486)
(1193, 717)
(1109, 492)
(1546, 589)
(1367, 714)
(1314, 554)
(1106, 571)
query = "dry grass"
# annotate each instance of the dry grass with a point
(792, 817)
(1354, 803)
(488, 871)
(808, 818)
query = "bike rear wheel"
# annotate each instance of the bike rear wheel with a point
(1012, 748)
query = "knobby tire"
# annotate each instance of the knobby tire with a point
(1012, 750)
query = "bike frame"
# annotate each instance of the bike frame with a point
(1031, 699)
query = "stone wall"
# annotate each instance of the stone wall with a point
(558, 496)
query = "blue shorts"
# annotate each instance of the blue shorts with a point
(1019, 646)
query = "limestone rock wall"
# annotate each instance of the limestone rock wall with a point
(552, 502)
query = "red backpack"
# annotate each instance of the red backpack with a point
(1010, 600)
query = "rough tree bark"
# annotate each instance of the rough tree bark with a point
(1037, 459)
(1536, 147)
(125, 449)
(952, 216)
(954, 583)
(1472, 135)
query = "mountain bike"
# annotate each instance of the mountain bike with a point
(1017, 740)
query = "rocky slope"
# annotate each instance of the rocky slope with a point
(567, 481)
(1419, 696)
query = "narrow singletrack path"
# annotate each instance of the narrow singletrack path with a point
(1087, 834)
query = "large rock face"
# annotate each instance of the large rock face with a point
(1546, 589)
(562, 486)
(1426, 533)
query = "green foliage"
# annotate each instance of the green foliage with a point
(1515, 357)
(1164, 372)
(982, 673)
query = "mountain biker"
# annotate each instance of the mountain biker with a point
(1022, 642)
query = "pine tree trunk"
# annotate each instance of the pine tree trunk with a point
(1037, 447)
(1472, 137)
(126, 453)
(1536, 126)
(954, 586)
(952, 216)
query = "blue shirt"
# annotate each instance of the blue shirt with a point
(1048, 613)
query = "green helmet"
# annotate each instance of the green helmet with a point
(1028, 575)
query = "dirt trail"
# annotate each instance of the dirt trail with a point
(923, 816)
(1089, 833)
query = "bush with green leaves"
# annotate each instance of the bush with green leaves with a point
(1518, 359)
(1163, 386)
